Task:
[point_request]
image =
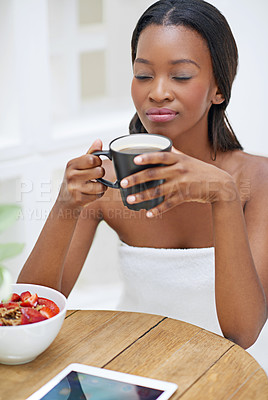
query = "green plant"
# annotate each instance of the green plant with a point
(8, 216)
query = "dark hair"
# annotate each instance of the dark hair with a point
(213, 27)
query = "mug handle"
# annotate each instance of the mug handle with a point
(107, 153)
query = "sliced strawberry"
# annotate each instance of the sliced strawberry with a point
(15, 297)
(30, 301)
(9, 305)
(48, 303)
(30, 315)
(25, 295)
(47, 312)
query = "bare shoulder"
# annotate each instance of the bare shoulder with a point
(245, 167)
(253, 192)
(255, 169)
(253, 185)
(250, 173)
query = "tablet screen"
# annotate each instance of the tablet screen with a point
(78, 385)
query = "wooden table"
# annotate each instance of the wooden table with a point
(204, 365)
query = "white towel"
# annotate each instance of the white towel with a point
(177, 283)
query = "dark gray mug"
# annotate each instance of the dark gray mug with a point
(122, 152)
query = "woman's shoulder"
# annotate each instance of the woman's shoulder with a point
(250, 171)
(251, 174)
(248, 165)
(254, 166)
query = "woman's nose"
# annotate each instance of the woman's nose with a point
(160, 91)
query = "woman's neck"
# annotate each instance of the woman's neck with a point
(195, 143)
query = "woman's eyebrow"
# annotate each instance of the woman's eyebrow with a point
(172, 62)
(142, 61)
(184, 61)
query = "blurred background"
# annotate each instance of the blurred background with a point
(65, 76)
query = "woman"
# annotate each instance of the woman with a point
(184, 64)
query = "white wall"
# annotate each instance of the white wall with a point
(248, 106)
(34, 148)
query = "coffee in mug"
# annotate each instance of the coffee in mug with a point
(122, 152)
(139, 150)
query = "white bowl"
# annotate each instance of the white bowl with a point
(23, 343)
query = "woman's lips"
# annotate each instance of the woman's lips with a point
(161, 114)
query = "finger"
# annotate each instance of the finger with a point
(146, 195)
(93, 188)
(147, 175)
(166, 189)
(87, 161)
(96, 146)
(84, 175)
(82, 195)
(160, 157)
(165, 206)
(87, 189)
(151, 174)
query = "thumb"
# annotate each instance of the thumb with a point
(96, 146)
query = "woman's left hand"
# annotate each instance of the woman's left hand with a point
(186, 179)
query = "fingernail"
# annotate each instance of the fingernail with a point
(124, 182)
(131, 199)
(149, 214)
(138, 159)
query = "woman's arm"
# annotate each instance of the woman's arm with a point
(79, 247)
(240, 281)
(240, 296)
(55, 245)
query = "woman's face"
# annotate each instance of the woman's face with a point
(173, 84)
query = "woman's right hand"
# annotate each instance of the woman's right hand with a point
(79, 186)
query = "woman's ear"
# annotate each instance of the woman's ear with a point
(218, 98)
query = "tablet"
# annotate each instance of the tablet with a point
(78, 381)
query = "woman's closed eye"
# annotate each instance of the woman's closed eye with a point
(142, 77)
(182, 78)
(177, 78)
